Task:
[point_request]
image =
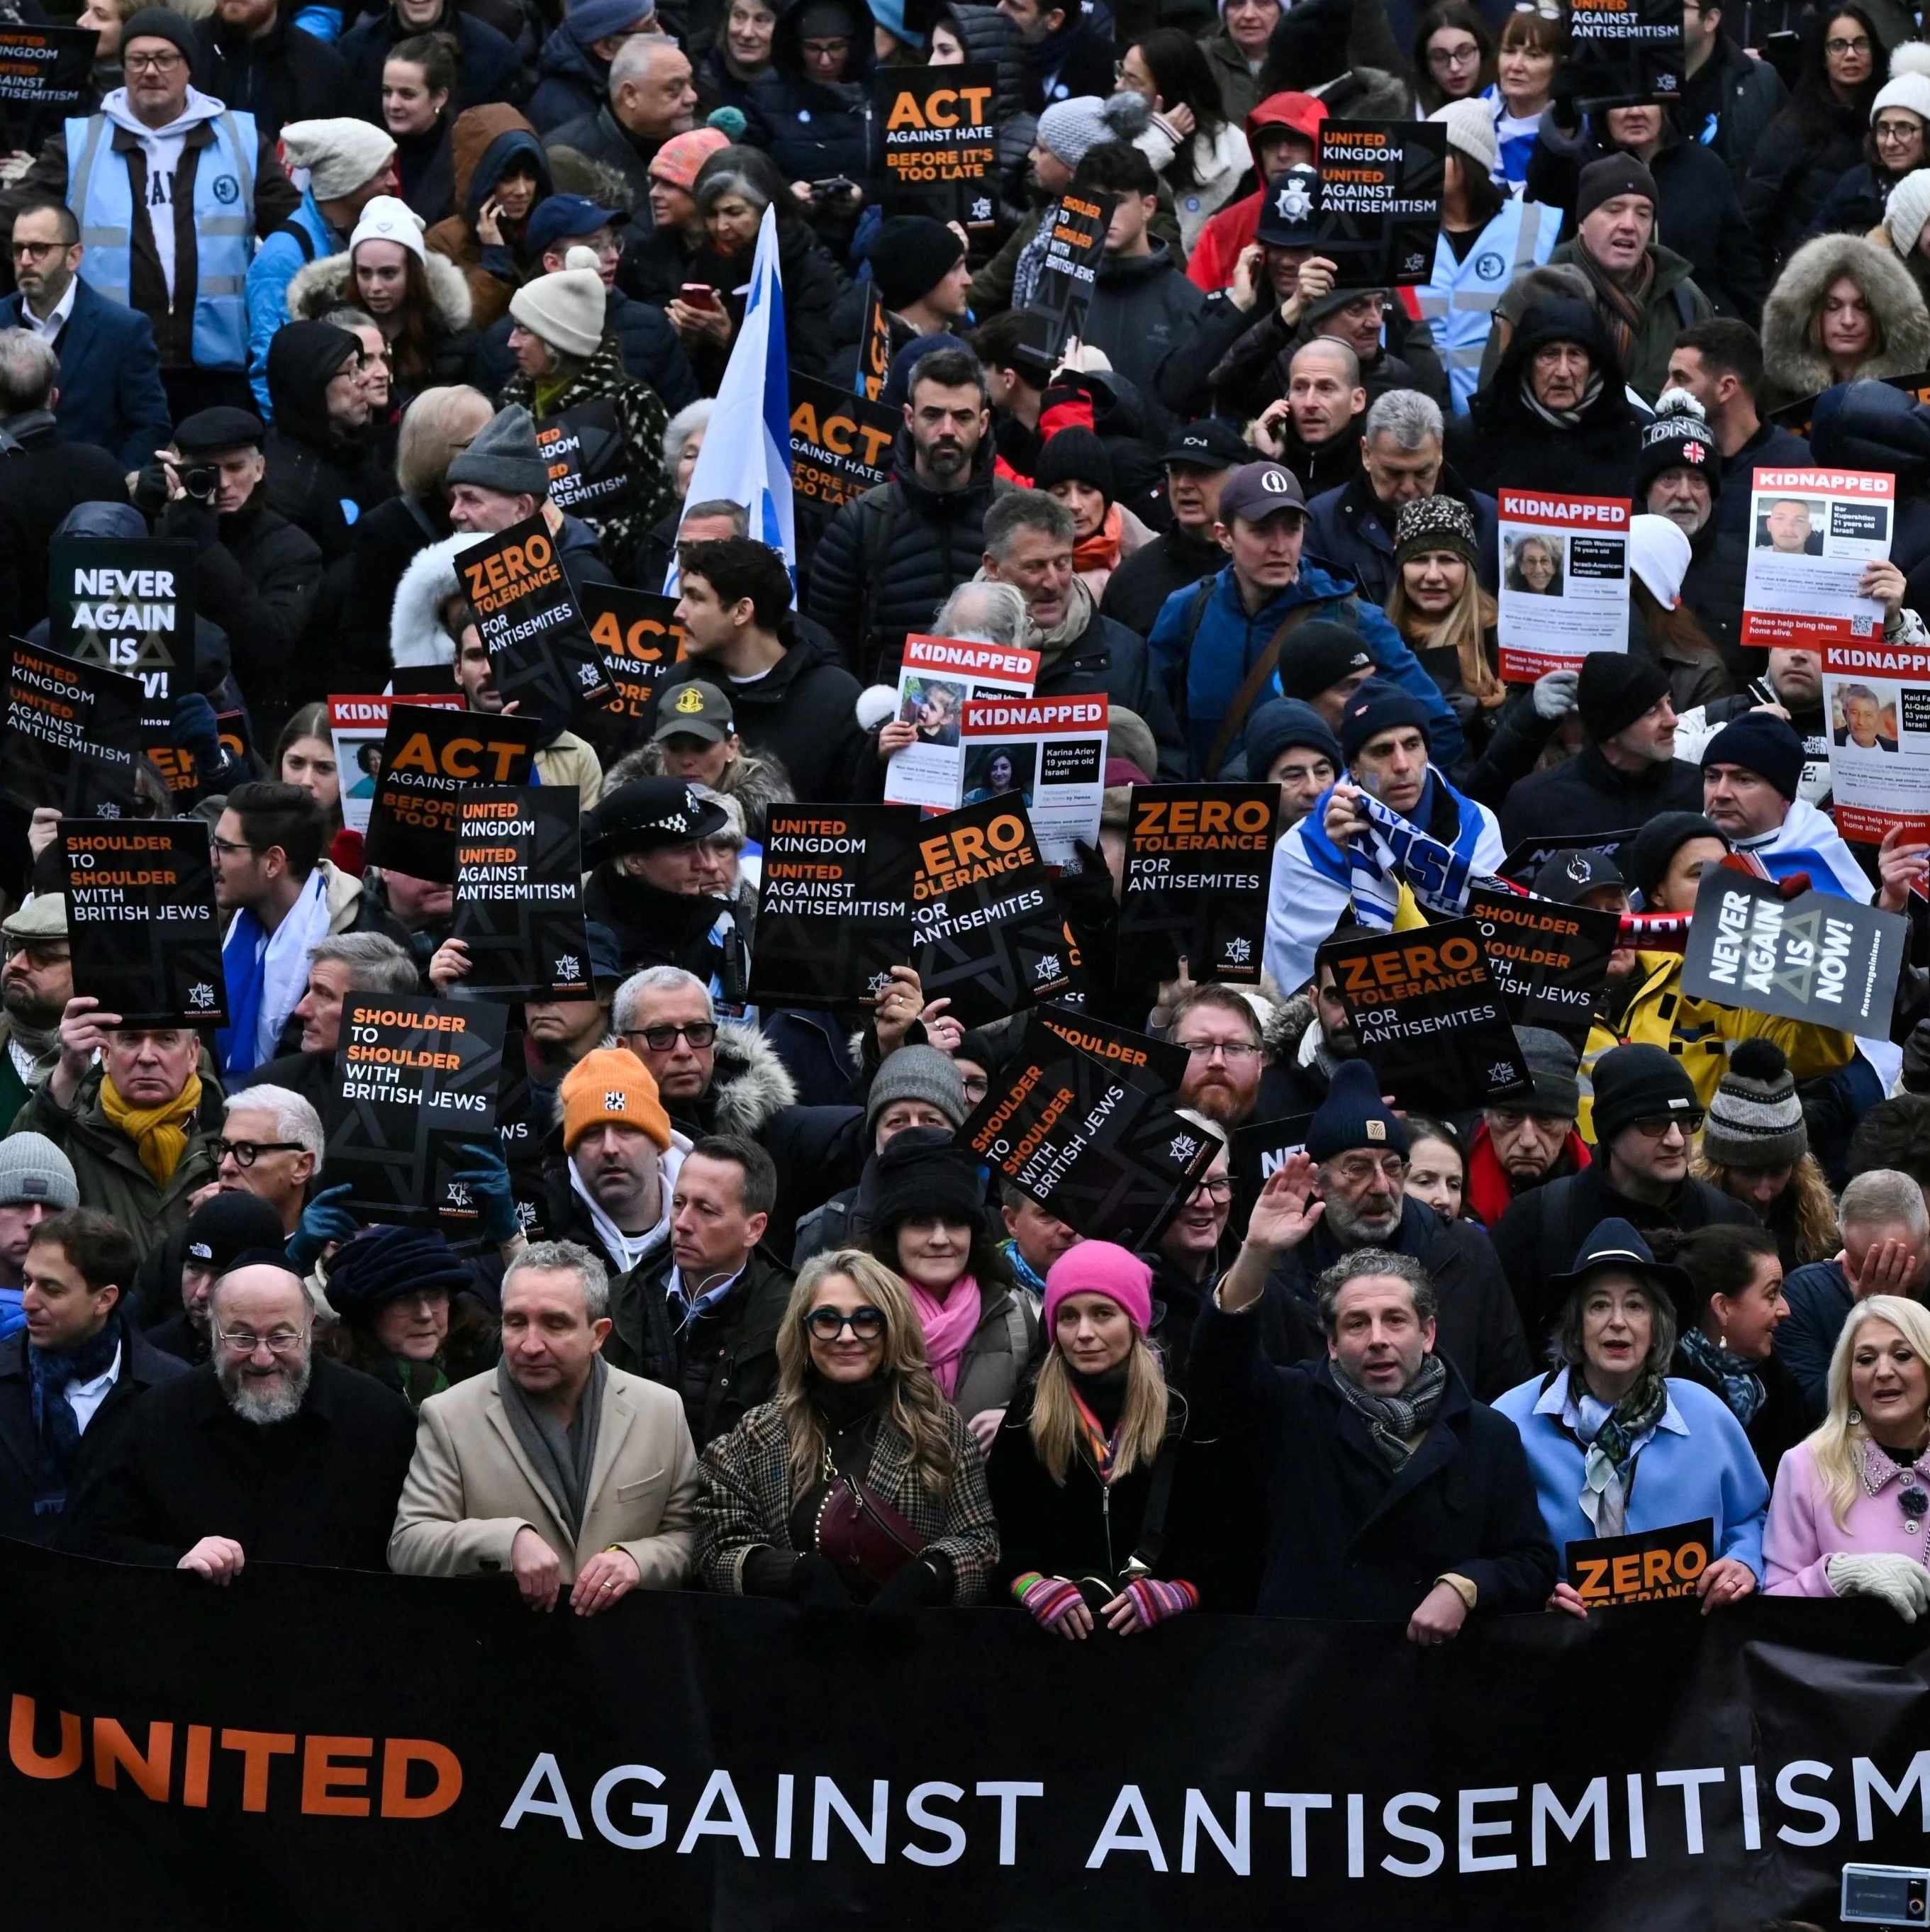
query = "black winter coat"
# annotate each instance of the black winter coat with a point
(43, 477)
(1718, 563)
(1741, 95)
(803, 713)
(286, 75)
(381, 547)
(1140, 586)
(812, 130)
(658, 928)
(598, 135)
(1140, 307)
(1587, 797)
(487, 65)
(1793, 167)
(320, 1489)
(1779, 1425)
(1772, 447)
(569, 82)
(1855, 204)
(1346, 1536)
(1351, 530)
(813, 285)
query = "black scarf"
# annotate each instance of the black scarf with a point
(56, 1427)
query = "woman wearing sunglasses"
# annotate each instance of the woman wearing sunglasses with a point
(859, 1484)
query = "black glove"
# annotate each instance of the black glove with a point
(817, 1584)
(197, 731)
(150, 491)
(1562, 91)
(916, 1587)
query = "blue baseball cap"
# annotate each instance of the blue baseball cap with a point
(562, 217)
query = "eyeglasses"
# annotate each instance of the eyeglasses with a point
(227, 847)
(1895, 131)
(1859, 46)
(1468, 56)
(699, 1034)
(1218, 1189)
(243, 1153)
(827, 1324)
(828, 49)
(1234, 1055)
(1357, 1172)
(167, 63)
(35, 251)
(976, 1088)
(1656, 1126)
(278, 1341)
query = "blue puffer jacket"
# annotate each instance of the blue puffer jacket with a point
(276, 263)
(1202, 680)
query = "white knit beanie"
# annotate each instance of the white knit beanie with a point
(1658, 554)
(1470, 126)
(385, 219)
(566, 308)
(1907, 209)
(1908, 86)
(340, 156)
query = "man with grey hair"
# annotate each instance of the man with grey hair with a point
(651, 98)
(508, 1476)
(271, 1144)
(1885, 1251)
(272, 1453)
(1389, 1492)
(983, 613)
(1352, 526)
(1863, 717)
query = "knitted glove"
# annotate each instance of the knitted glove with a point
(1555, 694)
(488, 1184)
(1155, 1600)
(323, 1220)
(1049, 1598)
(1902, 1582)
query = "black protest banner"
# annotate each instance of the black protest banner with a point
(522, 1124)
(639, 639)
(1198, 859)
(1082, 1120)
(840, 443)
(1378, 209)
(519, 892)
(141, 922)
(428, 755)
(127, 604)
(874, 362)
(1525, 859)
(416, 1082)
(1429, 1016)
(45, 73)
(939, 132)
(1551, 961)
(834, 909)
(527, 616)
(986, 933)
(1260, 1150)
(1820, 958)
(1074, 228)
(72, 735)
(589, 459)
(1650, 1567)
(1626, 53)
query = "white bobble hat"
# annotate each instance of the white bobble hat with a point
(1470, 126)
(1659, 554)
(1907, 209)
(1909, 84)
(566, 308)
(385, 219)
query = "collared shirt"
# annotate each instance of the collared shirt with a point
(57, 320)
(687, 1310)
(84, 1398)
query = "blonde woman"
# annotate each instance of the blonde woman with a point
(1079, 1471)
(1849, 1515)
(1437, 605)
(861, 1483)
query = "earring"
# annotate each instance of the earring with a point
(1722, 1342)
(1856, 1416)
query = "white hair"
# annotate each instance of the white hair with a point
(635, 57)
(653, 979)
(997, 614)
(1882, 1198)
(692, 418)
(295, 1119)
(1406, 417)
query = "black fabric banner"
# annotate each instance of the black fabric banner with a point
(1199, 861)
(840, 443)
(1378, 210)
(637, 635)
(1625, 53)
(519, 892)
(526, 614)
(71, 736)
(447, 1758)
(1550, 961)
(141, 922)
(428, 755)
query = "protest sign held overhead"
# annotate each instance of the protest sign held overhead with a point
(417, 1080)
(428, 756)
(1550, 961)
(1260, 1150)
(1074, 227)
(72, 734)
(1525, 859)
(519, 892)
(357, 726)
(840, 443)
(1626, 53)
(1651, 1567)
(1082, 1120)
(1820, 958)
(640, 640)
(1379, 205)
(937, 677)
(1429, 1016)
(1199, 862)
(939, 135)
(1564, 580)
(1049, 752)
(527, 615)
(46, 72)
(141, 923)
(1810, 533)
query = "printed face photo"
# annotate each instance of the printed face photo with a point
(1864, 715)
(1791, 525)
(934, 705)
(1534, 564)
(992, 771)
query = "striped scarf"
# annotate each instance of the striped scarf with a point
(1392, 1419)
(1098, 1445)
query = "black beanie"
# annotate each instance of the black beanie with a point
(1282, 722)
(1354, 1115)
(1677, 439)
(1634, 1083)
(160, 23)
(226, 1225)
(1075, 455)
(1768, 746)
(1317, 656)
(1646, 857)
(1616, 688)
(1603, 180)
(911, 255)
(1379, 706)
(924, 1171)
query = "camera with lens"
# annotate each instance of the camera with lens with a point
(201, 480)
(1886, 1895)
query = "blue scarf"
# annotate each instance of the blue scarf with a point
(1740, 1385)
(1028, 1276)
(56, 1427)
(245, 956)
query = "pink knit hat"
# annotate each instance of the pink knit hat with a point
(1101, 1268)
(679, 159)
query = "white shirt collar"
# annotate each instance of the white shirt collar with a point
(55, 322)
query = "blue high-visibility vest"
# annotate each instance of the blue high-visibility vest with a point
(1458, 299)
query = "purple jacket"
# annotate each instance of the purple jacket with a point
(1802, 1533)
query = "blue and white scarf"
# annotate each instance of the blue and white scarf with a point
(265, 974)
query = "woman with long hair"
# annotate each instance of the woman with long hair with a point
(859, 1483)
(1897, 143)
(1199, 155)
(304, 755)
(1843, 309)
(408, 1312)
(1438, 605)
(1755, 1147)
(1852, 1500)
(1453, 56)
(1086, 1472)
(1525, 58)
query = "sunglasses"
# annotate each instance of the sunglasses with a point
(827, 1324)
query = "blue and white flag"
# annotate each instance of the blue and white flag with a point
(746, 455)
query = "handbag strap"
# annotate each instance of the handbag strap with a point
(1255, 681)
(1147, 1551)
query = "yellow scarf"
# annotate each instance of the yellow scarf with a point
(160, 1134)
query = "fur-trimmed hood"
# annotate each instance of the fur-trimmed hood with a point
(1796, 370)
(327, 282)
(415, 637)
(758, 780)
(1286, 1026)
(751, 1083)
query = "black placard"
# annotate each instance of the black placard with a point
(72, 734)
(527, 615)
(589, 458)
(834, 909)
(1378, 211)
(1429, 1016)
(637, 633)
(1821, 957)
(1650, 1567)
(1260, 1150)
(428, 755)
(840, 444)
(416, 1082)
(1199, 861)
(519, 892)
(938, 136)
(874, 362)
(1082, 1120)
(1550, 961)
(45, 73)
(1524, 860)
(1625, 53)
(1074, 227)
(522, 1129)
(987, 932)
(141, 922)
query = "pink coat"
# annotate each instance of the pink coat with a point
(1802, 1534)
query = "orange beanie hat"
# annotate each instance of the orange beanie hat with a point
(611, 1084)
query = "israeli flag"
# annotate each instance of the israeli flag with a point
(746, 455)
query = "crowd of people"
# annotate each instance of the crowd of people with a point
(330, 295)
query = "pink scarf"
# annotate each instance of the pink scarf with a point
(949, 1325)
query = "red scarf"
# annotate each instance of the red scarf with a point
(1489, 1189)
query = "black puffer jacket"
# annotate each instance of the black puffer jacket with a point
(710, 938)
(812, 130)
(1108, 657)
(487, 65)
(801, 713)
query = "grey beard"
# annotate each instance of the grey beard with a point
(263, 1410)
(1355, 1231)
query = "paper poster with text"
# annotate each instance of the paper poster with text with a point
(1050, 752)
(1876, 702)
(937, 677)
(1564, 580)
(1811, 532)
(938, 130)
(1626, 53)
(1378, 208)
(357, 726)
(1074, 232)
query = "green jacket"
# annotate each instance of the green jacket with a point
(1674, 302)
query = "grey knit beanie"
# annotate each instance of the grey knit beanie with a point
(912, 1073)
(33, 1168)
(1755, 1119)
(504, 456)
(1552, 1064)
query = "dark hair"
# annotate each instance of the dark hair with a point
(1449, 13)
(1680, 627)
(1894, 1134)
(434, 54)
(739, 567)
(1813, 104)
(1528, 27)
(998, 341)
(950, 369)
(274, 813)
(1117, 167)
(1718, 1259)
(1729, 348)
(96, 1246)
(983, 1261)
(1183, 75)
(69, 222)
(758, 1191)
(310, 721)
(1363, 1262)
(412, 348)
